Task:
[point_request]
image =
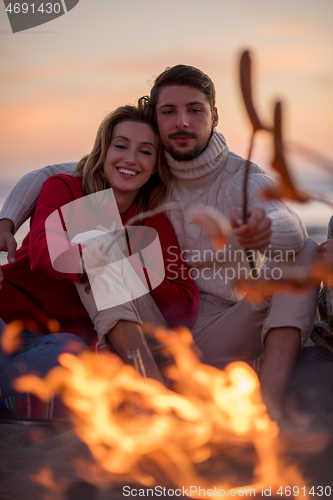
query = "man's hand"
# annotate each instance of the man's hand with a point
(7, 242)
(326, 253)
(256, 233)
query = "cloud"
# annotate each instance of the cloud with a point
(291, 27)
(57, 121)
(51, 71)
(146, 69)
(295, 59)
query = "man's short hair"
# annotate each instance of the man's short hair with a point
(184, 75)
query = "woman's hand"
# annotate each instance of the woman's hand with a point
(93, 257)
(7, 242)
(127, 335)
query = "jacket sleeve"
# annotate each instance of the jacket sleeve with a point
(177, 297)
(22, 199)
(54, 242)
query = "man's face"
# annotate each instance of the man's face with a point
(185, 121)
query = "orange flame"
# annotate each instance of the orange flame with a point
(126, 420)
(10, 339)
(45, 478)
(293, 280)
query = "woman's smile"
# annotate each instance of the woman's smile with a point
(126, 172)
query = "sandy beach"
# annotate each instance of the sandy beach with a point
(48, 462)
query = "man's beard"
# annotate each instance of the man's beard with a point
(193, 153)
(186, 155)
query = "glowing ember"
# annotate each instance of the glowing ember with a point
(256, 290)
(45, 478)
(132, 424)
(11, 335)
(10, 339)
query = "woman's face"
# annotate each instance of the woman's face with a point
(131, 157)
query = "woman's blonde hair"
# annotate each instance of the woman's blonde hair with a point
(91, 170)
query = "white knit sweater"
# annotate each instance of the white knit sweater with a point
(214, 178)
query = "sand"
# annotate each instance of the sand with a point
(46, 461)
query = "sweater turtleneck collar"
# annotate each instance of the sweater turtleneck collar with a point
(206, 163)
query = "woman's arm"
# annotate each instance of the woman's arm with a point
(177, 296)
(54, 194)
(127, 335)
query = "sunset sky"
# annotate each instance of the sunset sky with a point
(60, 79)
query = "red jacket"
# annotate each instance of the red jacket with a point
(33, 289)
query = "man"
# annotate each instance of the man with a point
(207, 173)
(323, 334)
(312, 380)
(325, 249)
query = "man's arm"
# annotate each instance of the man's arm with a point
(7, 240)
(7, 243)
(20, 204)
(22, 199)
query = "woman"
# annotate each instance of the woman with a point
(126, 156)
